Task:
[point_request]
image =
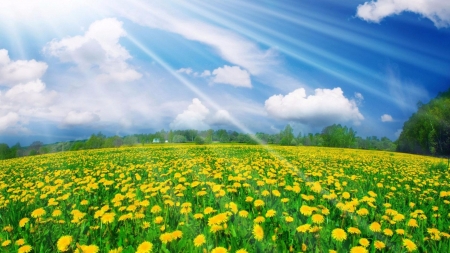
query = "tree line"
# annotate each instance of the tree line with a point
(331, 136)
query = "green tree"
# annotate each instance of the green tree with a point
(287, 135)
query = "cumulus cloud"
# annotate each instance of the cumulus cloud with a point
(222, 117)
(386, 118)
(437, 11)
(185, 71)
(324, 107)
(80, 118)
(192, 118)
(234, 76)
(98, 50)
(12, 72)
(8, 120)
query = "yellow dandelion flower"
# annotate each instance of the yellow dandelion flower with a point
(155, 209)
(364, 242)
(258, 232)
(208, 210)
(25, 249)
(339, 234)
(346, 195)
(119, 250)
(400, 231)
(23, 222)
(358, 249)
(108, 218)
(159, 220)
(20, 242)
(219, 250)
(412, 223)
(306, 210)
(177, 234)
(270, 213)
(8, 228)
(375, 227)
(318, 218)
(64, 243)
(409, 245)
(145, 247)
(303, 228)
(379, 245)
(353, 230)
(89, 248)
(38, 213)
(259, 203)
(166, 237)
(241, 251)
(6, 243)
(243, 214)
(259, 219)
(199, 240)
(56, 213)
(198, 216)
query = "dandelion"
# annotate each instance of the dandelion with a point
(89, 248)
(375, 227)
(318, 218)
(198, 216)
(241, 251)
(25, 249)
(400, 231)
(243, 214)
(219, 250)
(258, 232)
(258, 203)
(339, 234)
(155, 209)
(306, 210)
(38, 213)
(166, 237)
(358, 249)
(259, 220)
(364, 242)
(270, 213)
(108, 218)
(353, 230)
(20, 242)
(303, 228)
(413, 223)
(379, 245)
(23, 221)
(289, 219)
(64, 242)
(409, 245)
(145, 247)
(199, 240)
(6, 243)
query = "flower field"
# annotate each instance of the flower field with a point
(224, 198)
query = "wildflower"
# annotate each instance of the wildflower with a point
(358, 249)
(409, 245)
(38, 213)
(20, 242)
(156, 209)
(198, 216)
(64, 242)
(199, 240)
(318, 218)
(306, 210)
(6, 243)
(23, 221)
(258, 203)
(270, 213)
(25, 249)
(353, 230)
(289, 219)
(89, 248)
(379, 245)
(258, 232)
(259, 219)
(145, 247)
(413, 223)
(338, 234)
(108, 218)
(303, 228)
(219, 250)
(243, 213)
(166, 237)
(241, 251)
(364, 242)
(375, 227)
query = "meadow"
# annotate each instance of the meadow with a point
(224, 198)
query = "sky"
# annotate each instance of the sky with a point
(72, 68)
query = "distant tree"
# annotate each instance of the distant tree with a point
(199, 140)
(130, 140)
(287, 136)
(5, 151)
(179, 138)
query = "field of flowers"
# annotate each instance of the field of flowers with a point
(224, 198)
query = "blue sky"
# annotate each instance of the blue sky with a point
(72, 68)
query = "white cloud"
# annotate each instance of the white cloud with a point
(324, 107)
(12, 72)
(222, 117)
(386, 118)
(8, 120)
(30, 95)
(205, 73)
(234, 76)
(437, 11)
(98, 50)
(80, 118)
(185, 70)
(229, 45)
(192, 118)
